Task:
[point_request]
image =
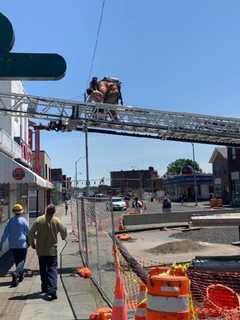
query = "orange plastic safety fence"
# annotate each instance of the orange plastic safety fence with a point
(131, 284)
(215, 295)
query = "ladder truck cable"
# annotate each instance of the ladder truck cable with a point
(96, 41)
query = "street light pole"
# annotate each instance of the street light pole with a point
(76, 171)
(76, 174)
(194, 177)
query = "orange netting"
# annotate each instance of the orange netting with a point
(215, 295)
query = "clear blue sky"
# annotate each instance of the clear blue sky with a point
(172, 55)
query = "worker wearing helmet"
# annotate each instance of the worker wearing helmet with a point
(16, 232)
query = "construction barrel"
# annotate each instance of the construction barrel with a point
(168, 297)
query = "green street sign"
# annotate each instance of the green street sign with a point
(6, 35)
(31, 66)
(26, 66)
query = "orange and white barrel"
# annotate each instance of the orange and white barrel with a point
(168, 297)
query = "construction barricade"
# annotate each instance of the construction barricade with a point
(195, 292)
(205, 294)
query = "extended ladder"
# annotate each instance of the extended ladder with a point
(125, 120)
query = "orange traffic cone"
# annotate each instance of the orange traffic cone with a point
(119, 310)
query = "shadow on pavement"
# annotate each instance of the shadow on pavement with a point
(5, 284)
(31, 296)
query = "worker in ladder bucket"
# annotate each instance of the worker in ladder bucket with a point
(107, 90)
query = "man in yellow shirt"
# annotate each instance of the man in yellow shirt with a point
(43, 238)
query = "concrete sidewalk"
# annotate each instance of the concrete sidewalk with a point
(26, 301)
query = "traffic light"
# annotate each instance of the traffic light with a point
(26, 66)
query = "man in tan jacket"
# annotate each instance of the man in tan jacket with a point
(43, 238)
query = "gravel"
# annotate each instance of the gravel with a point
(221, 235)
(181, 246)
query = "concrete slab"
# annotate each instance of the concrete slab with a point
(173, 217)
(230, 219)
(40, 311)
(139, 248)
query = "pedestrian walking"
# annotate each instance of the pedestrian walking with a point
(66, 207)
(166, 205)
(43, 238)
(16, 232)
(137, 205)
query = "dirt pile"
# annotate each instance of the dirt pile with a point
(175, 247)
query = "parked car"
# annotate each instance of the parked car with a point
(118, 204)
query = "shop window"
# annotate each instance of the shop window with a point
(4, 203)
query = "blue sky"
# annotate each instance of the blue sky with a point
(170, 55)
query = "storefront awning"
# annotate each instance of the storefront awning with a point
(13, 172)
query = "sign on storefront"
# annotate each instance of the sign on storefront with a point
(18, 173)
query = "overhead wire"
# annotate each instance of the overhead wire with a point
(96, 41)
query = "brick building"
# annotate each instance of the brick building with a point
(133, 180)
(219, 161)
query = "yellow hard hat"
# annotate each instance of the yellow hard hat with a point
(18, 208)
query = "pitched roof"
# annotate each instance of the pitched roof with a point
(217, 151)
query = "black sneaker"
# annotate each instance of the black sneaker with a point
(51, 296)
(21, 277)
(14, 280)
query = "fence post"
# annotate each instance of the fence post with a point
(85, 229)
(113, 223)
(78, 226)
(97, 244)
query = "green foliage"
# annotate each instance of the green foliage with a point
(175, 168)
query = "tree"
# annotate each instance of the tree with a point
(175, 168)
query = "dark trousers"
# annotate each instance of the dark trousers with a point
(48, 273)
(19, 256)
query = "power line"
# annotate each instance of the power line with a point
(96, 42)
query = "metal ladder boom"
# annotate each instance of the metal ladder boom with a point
(126, 120)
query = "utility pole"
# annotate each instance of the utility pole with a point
(76, 172)
(194, 177)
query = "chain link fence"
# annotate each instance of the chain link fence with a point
(93, 223)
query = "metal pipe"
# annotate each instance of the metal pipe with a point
(87, 164)
(113, 223)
